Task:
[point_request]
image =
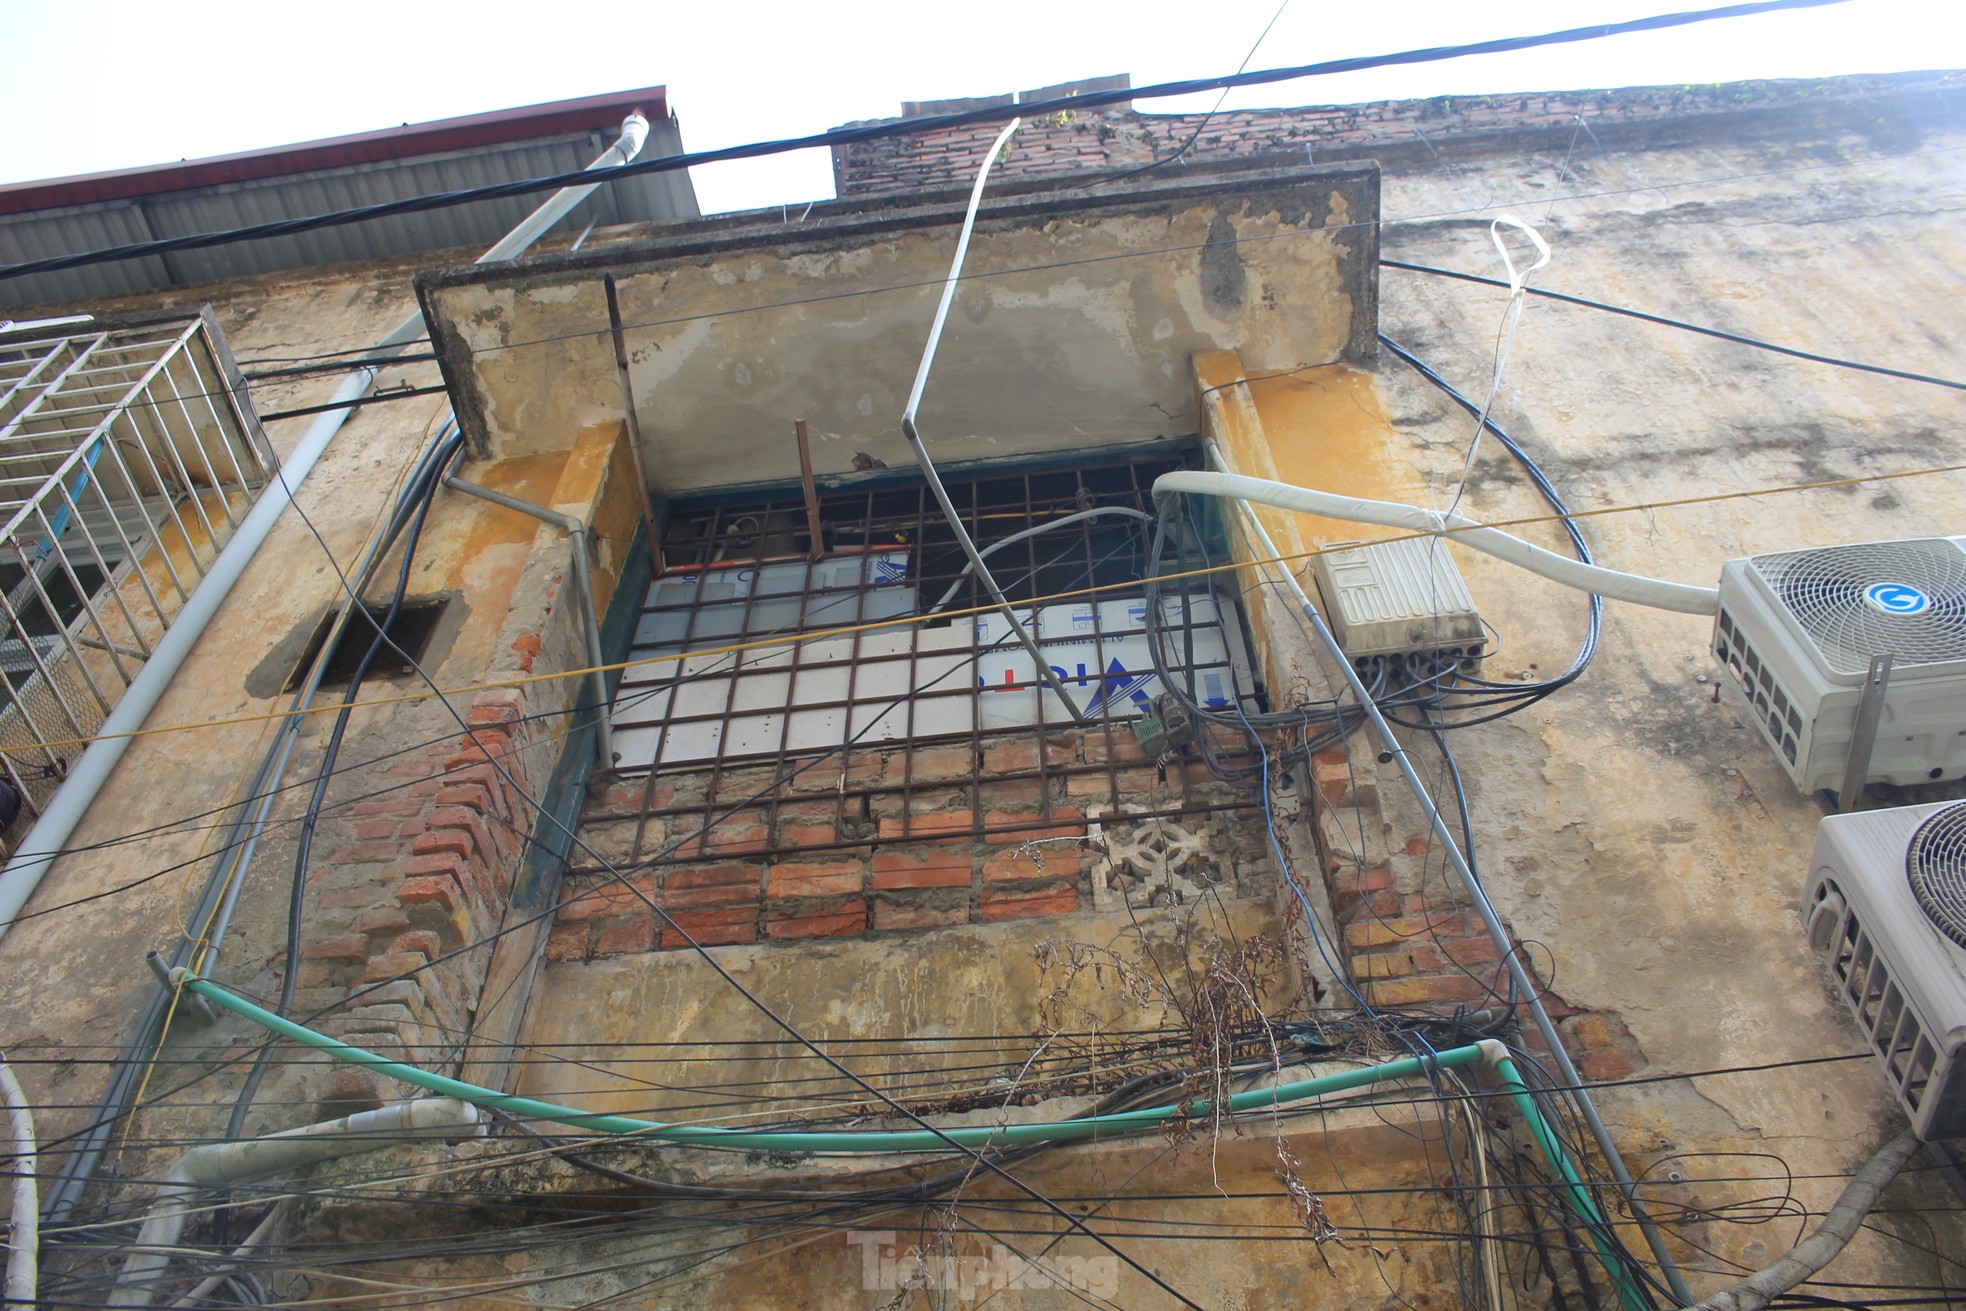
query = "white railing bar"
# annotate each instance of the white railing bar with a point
(190, 491)
(154, 531)
(198, 445)
(170, 501)
(54, 614)
(130, 393)
(131, 556)
(81, 530)
(34, 656)
(112, 576)
(50, 389)
(218, 427)
(31, 374)
(209, 391)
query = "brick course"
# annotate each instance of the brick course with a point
(420, 872)
(1107, 139)
(1409, 939)
(980, 835)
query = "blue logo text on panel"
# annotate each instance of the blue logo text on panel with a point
(1897, 599)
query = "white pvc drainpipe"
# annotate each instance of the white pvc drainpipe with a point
(24, 1238)
(217, 1164)
(1635, 588)
(43, 843)
(39, 847)
(583, 583)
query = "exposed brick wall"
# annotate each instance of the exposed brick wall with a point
(1105, 140)
(1410, 938)
(418, 853)
(977, 837)
(427, 868)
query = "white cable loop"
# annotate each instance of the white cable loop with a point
(1504, 334)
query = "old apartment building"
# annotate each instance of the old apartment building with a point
(786, 854)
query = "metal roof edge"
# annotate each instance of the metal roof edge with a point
(411, 140)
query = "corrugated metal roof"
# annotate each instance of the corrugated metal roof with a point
(314, 183)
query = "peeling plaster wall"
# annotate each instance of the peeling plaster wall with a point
(1073, 327)
(77, 975)
(1638, 835)
(1635, 834)
(998, 979)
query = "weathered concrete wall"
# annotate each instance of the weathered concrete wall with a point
(998, 980)
(1074, 329)
(1639, 840)
(77, 973)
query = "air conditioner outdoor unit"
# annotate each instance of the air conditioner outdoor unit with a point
(1797, 632)
(1886, 904)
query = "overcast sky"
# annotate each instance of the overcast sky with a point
(100, 85)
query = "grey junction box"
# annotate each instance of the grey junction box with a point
(1390, 600)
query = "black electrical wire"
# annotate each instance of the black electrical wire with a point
(1467, 693)
(110, 1108)
(363, 360)
(422, 493)
(879, 131)
(1325, 713)
(1664, 322)
(1134, 1091)
(1215, 109)
(1007, 1205)
(1116, 1100)
(80, 1163)
(399, 394)
(716, 967)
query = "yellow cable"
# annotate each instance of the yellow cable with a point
(149, 1068)
(823, 633)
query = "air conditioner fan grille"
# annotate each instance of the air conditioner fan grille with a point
(1935, 862)
(1832, 592)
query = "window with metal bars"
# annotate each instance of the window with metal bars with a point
(897, 640)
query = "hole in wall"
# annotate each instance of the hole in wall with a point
(409, 639)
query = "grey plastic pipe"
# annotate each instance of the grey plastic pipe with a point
(583, 583)
(1610, 583)
(634, 131)
(1045, 672)
(1048, 525)
(43, 843)
(216, 1164)
(1450, 847)
(24, 1238)
(1839, 1224)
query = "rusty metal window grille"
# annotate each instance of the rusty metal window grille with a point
(127, 458)
(902, 651)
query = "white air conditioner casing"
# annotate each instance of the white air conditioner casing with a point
(1796, 633)
(1389, 601)
(1886, 904)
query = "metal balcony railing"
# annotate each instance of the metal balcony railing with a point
(128, 454)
